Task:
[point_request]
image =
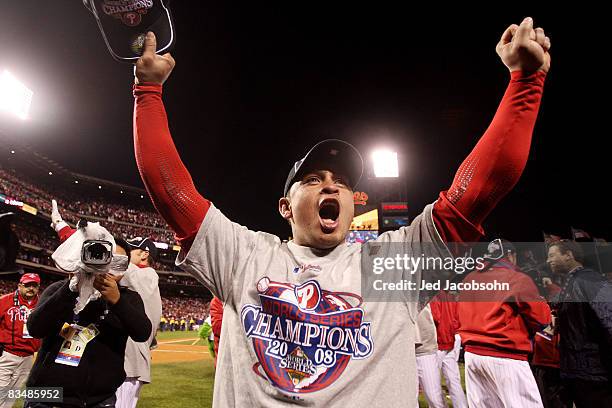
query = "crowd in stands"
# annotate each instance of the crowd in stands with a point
(177, 280)
(39, 237)
(39, 240)
(183, 313)
(139, 221)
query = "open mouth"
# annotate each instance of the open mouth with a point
(329, 211)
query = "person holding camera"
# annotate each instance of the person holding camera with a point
(83, 350)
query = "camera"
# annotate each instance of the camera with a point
(97, 252)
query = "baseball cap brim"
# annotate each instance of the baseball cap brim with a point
(334, 155)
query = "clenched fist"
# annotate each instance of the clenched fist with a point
(151, 67)
(523, 48)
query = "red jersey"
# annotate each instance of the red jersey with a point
(444, 311)
(501, 323)
(14, 336)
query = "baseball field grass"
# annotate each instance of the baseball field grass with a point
(182, 373)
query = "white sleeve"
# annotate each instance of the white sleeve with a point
(220, 248)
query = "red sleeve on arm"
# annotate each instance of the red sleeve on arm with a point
(533, 308)
(495, 165)
(216, 318)
(65, 233)
(165, 177)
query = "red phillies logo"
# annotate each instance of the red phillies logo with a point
(308, 295)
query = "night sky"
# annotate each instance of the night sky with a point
(255, 86)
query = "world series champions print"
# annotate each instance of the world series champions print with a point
(305, 337)
(128, 11)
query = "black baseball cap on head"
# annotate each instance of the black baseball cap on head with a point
(335, 155)
(145, 244)
(499, 248)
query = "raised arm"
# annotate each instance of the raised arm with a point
(166, 179)
(64, 231)
(495, 165)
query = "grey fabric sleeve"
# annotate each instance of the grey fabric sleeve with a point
(220, 248)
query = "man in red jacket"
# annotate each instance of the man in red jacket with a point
(496, 328)
(16, 344)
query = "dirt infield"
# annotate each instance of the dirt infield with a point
(173, 351)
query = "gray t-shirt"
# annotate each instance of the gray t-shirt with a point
(138, 355)
(295, 328)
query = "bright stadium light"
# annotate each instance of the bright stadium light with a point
(385, 163)
(15, 97)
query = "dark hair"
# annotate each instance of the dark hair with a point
(566, 246)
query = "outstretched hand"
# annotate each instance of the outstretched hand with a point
(523, 48)
(150, 67)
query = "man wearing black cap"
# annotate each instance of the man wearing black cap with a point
(143, 251)
(142, 278)
(17, 347)
(296, 325)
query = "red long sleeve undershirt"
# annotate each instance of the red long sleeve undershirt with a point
(495, 164)
(165, 177)
(487, 174)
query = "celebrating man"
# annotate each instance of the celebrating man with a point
(296, 326)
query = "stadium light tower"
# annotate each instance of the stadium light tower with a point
(15, 97)
(385, 163)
